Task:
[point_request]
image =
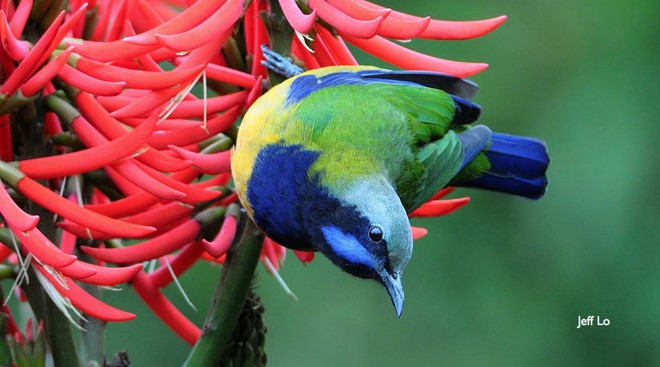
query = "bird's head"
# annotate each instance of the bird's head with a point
(369, 235)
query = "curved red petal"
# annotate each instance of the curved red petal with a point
(441, 29)
(88, 159)
(32, 60)
(360, 10)
(298, 20)
(14, 216)
(140, 79)
(83, 300)
(210, 164)
(87, 83)
(150, 249)
(45, 251)
(228, 75)
(15, 48)
(57, 204)
(215, 26)
(335, 47)
(459, 30)
(222, 241)
(192, 16)
(418, 232)
(162, 307)
(344, 22)
(304, 256)
(409, 59)
(190, 135)
(141, 201)
(192, 193)
(20, 17)
(439, 207)
(195, 108)
(33, 85)
(102, 275)
(180, 263)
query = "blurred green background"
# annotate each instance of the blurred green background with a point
(502, 281)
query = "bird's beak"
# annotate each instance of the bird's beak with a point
(392, 283)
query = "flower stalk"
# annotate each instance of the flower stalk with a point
(229, 297)
(103, 139)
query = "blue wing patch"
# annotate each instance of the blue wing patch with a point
(461, 90)
(305, 85)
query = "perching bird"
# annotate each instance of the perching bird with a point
(333, 159)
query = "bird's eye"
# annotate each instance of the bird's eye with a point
(376, 233)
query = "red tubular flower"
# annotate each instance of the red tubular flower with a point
(57, 204)
(366, 25)
(439, 207)
(15, 217)
(194, 108)
(43, 76)
(162, 307)
(88, 159)
(31, 61)
(190, 135)
(216, 24)
(220, 244)
(210, 164)
(16, 49)
(179, 263)
(164, 218)
(304, 256)
(160, 245)
(36, 243)
(349, 25)
(139, 79)
(418, 232)
(227, 75)
(83, 300)
(87, 83)
(102, 275)
(142, 146)
(20, 17)
(299, 21)
(408, 59)
(150, 249)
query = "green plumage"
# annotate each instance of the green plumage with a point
(402, 131)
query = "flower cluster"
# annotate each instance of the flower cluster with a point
(118, 118)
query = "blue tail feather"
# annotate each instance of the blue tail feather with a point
(518, 166)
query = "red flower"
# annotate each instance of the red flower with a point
(134, 146)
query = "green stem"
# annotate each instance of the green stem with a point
(229, 298)
(280, 33)
(5, 354)
(29, 127)
(57, 327)
(92, 340)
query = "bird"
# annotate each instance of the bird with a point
(334, 159)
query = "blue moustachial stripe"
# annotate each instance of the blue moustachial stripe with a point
(348, 247)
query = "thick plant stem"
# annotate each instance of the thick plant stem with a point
(5, 354)
(280, 33)
(92, 340)
(229, 298)
(56, 326)
(29, 123)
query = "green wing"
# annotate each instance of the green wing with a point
(406, 127)
(439, 152)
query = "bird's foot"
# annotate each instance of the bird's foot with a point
(279, 64)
